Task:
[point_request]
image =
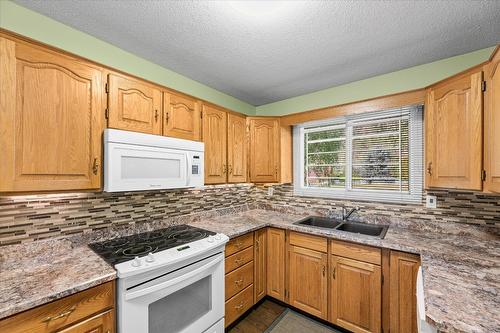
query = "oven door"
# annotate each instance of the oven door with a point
(134, 168)
(190, 299)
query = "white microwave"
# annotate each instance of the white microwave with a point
(137, 161)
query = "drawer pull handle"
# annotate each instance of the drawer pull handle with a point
(239, 244)
(333, 272)
(238, 261)
(95, 166)
(61, 315)
(238, 282)
(239, 306)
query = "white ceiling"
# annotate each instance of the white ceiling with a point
(269, 51)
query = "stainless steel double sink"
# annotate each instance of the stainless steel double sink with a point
(352, 227)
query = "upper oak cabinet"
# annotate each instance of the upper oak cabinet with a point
(454, 133)
(133, 105)
(215, 139)
(51, 120)
(236, 148)
(264, 149)
(182, 117)
(492, 125)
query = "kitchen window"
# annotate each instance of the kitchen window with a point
(372, 156)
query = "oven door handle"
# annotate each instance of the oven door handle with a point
(174, 281)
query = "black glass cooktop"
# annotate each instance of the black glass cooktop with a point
(118, 250)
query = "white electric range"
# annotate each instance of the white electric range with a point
(169, 280)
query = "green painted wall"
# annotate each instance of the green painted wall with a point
(39, 27)
(31, 24)
(386, 84)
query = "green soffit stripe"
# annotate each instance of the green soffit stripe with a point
(46, 30)
(407, 79)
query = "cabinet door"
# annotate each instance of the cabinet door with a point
(102, 323)
(355, 295)
(260, 264)
(403, 301)
(264, 150)
(133, 105)
(308, 268)
(236, 149)
(182, 117)
(276, 263)
(215, 139)
(454, 133)
(492, 125)
(51, 120)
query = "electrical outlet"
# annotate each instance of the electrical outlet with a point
(270, 191)
(431, 201)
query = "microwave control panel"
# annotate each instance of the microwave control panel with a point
(196, 165)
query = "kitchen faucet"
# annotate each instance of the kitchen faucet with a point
(346, 214)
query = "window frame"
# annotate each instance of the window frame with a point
(416, 148)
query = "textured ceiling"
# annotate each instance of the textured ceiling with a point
(262, 52)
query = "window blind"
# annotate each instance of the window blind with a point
(377, 155)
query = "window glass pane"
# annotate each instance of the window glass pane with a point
(325, 157)
(380, 155)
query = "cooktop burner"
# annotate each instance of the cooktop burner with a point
(122, 249)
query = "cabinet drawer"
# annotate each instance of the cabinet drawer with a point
(239, 243)
(309, 241)
(239, 279)
(237, 305)
(238, 259)
(55, 315)
(359, 252)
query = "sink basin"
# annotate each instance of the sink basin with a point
(364, 229)
(320, 222)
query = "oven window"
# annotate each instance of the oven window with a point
(178, 310)
(147, 167)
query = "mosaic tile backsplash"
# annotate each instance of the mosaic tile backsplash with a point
(452, 206)
(28, 218)
(25, 218)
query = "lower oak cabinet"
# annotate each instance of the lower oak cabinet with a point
(356, 287)
(403, 302)
(239, 279)
(337, 281)
(91, 310)
(307, 274)
(276, 263)
(260, 264)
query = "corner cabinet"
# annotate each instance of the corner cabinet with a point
(51, 120)
(492, 125)
(264, 149)
(182, 117)
(133, 105)
(454, 133)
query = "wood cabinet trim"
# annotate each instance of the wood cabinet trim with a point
(308, 241)
(356, 251)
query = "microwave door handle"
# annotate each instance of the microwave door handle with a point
(188, 170)
(169, 283)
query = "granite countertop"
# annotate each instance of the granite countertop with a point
(461, 266)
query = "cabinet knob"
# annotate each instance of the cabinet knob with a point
(167, 117)
(95, 166)
(156, 115)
